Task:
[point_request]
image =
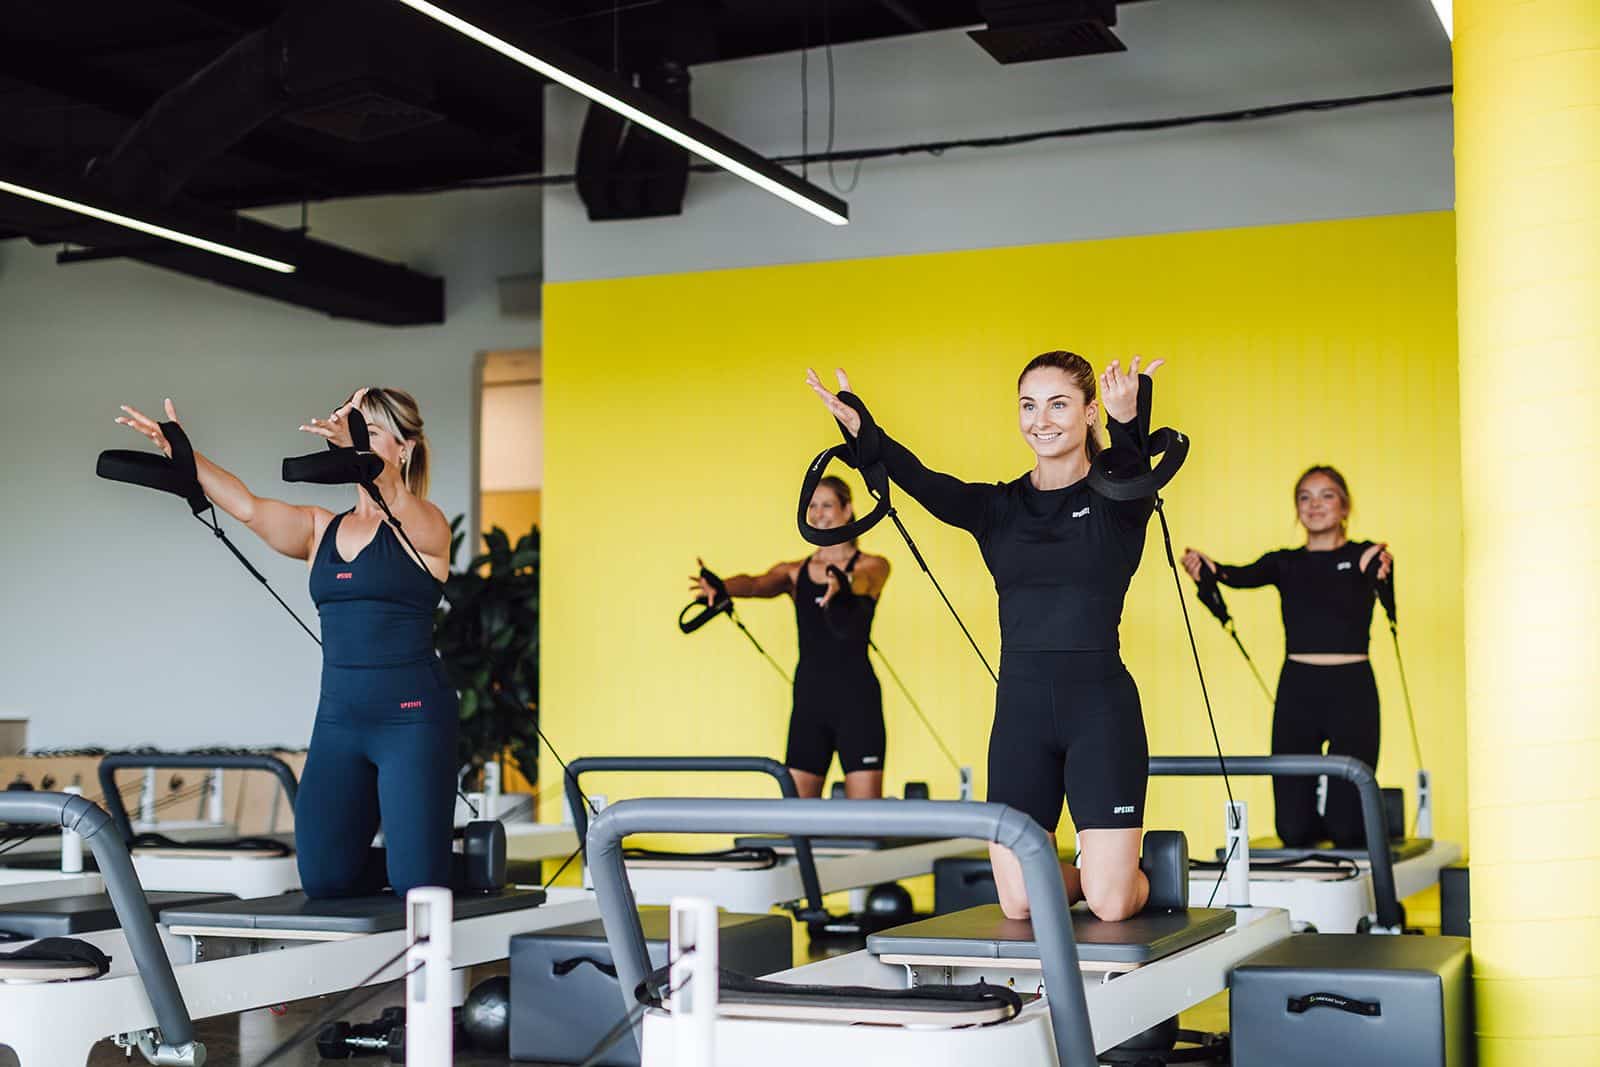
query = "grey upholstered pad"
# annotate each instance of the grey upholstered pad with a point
(984, 933)
(350, 915)
(65, 916)
(1271, 848)
(831, 844)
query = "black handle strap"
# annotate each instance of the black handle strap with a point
(1210, 594)
(1301, 1005)
(877, 479)
(562, 968)
(1121, 473)
(721, 604)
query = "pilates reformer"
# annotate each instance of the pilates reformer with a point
(1324, 889)
(216, 958)
(761, 872)
(1077, 986)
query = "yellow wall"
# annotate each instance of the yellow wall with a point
(682, 429)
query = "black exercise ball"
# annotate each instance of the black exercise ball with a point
(486, 1015)
(889, 902)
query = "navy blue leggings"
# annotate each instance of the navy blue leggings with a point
(389, 762)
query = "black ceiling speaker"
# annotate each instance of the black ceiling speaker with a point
(1022, 31)
(624, 170)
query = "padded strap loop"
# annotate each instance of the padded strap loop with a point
(1120, 473)
(877, 479)
(1210, 594)
(721, 604)
(176, 475)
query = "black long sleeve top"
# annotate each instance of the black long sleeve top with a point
(1327, 599)
(1061, 559)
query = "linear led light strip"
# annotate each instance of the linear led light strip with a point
(628, 111)
(148, 227)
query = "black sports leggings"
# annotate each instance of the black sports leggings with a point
(1316, 705)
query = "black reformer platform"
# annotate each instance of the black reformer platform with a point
(983, 933)
(86, 914)
(337, 918)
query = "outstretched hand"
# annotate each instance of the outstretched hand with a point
(336, 427)
(702, 589)
(1193, 561)
(139, 422)
(847, 415)
(1119, 391)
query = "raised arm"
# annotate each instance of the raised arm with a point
(1127, 399)
(288, 528)
(775, 582)
(948, 499)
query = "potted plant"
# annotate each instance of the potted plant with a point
(487, 634)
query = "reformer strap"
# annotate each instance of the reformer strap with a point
(754, 859)
(877, 479)
(721, 603)
(1121, 473)
(355, 464)
(652, 991)
(267, 846)
(1209, 593)
(1384, 587)
(153, 471)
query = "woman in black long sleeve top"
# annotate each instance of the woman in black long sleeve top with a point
(1326, 692)
(1067, 716)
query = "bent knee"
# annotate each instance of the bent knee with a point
(1013, 900)
(1112, 903)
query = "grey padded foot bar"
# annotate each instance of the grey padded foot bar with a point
(344, 915)
(1272, 848)
(985, 933)
(86, 914)
(1041, 874)
(89, 821)
(1343, 768)
(242, 761)
(803, 858)
(831, 844)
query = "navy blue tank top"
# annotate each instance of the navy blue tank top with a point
(377, 617)
(836, 636)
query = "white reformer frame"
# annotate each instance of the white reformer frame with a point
(161, 980)
(1090, 1011)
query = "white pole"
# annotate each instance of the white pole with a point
(491, 790)
(966, 783)
(692, 948)
(71, 843)
(214, 814)
(1237, 815)
(429, 1034)
(147, 799)
(1424, 804)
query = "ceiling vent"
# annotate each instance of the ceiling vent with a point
(1022, 31)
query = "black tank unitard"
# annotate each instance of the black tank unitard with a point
(384, 745)
(1067, 717)
(1327, 607)
(838, 704)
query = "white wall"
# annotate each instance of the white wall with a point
(123, 622)
(1185, 57)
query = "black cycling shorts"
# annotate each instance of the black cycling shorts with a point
(836, 711)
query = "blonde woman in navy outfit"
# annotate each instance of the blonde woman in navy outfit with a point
(383, 748)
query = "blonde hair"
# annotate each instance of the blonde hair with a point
(396, 411)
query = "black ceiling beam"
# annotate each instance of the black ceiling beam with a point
(327, 278)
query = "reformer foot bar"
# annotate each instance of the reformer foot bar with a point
(799, 870)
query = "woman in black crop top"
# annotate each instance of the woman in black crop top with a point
(1326, 692)
(838, 705)
(1067, 716)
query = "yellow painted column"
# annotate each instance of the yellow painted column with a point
(1527, 127)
